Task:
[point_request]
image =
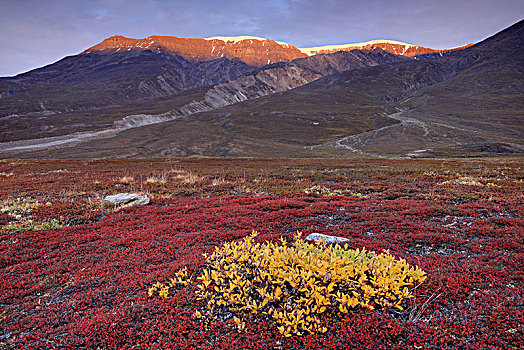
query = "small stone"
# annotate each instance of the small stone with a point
(129, 199)
(326, 238)
(119, 199)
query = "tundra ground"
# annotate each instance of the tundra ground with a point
(82, 279)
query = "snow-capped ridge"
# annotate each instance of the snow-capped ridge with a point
(252, 50)
(237, 39)
(312, 50)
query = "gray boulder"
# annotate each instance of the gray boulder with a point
(127, 199)
(141, 200)
(326, 238)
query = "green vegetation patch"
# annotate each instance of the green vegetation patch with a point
(19, 214)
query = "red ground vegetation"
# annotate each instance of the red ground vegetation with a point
(85, 285)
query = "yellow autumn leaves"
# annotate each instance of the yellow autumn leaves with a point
(300, 286)
(181, 279)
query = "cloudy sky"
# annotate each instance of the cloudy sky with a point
(38, 32)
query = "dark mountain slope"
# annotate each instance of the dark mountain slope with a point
(94, 80)
(487, 97)
(280, 124)
(91, 91)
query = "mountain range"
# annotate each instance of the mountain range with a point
(252, 50)
(254, 97)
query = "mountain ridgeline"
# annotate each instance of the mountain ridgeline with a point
(165, 96)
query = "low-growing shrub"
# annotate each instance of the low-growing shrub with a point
(18, 215)
(20, 207)
(300, 286)
(324, 191)
(464, 180)
(327, 192)
(29, 225)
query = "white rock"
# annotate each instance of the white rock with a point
(125, 198)
(141, 200)
(326, 238)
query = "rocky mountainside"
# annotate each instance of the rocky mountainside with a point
(278, 78)
(465, 102)
(121, 70)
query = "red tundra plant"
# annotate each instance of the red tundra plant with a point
(85, 285)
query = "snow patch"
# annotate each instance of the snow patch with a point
(236, 39)
(283, 43)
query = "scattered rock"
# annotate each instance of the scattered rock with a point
(326, 238)
(128, 199)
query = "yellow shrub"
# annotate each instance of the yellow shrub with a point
(300, 286)
(181, 279)
(324, 191)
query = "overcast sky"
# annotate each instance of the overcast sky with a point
(38, 32)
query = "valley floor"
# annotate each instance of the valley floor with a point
(82, 281)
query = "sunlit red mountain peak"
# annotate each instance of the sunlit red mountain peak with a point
(255, 51)
(251, 50)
